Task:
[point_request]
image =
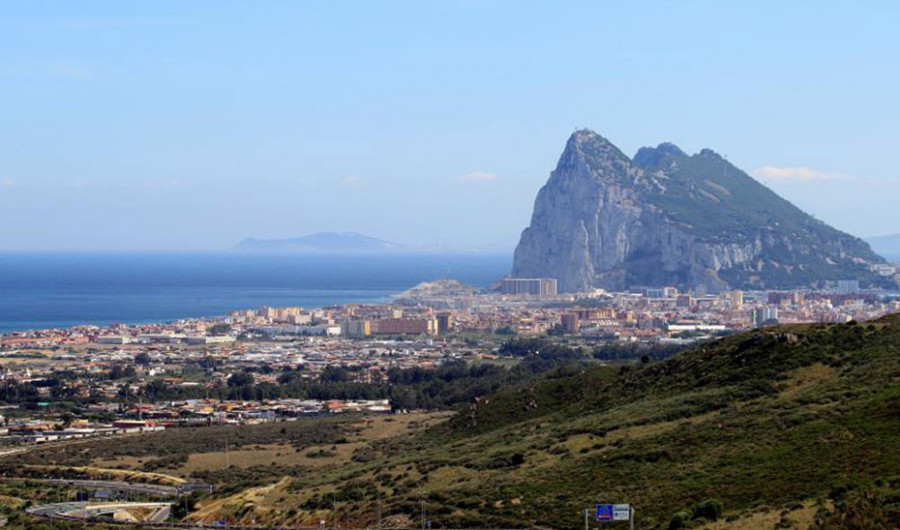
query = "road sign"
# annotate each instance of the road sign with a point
(621, 512)
(613, 512)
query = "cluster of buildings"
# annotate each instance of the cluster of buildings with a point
(350, 320)
(887, 270)
(525, 306)
(421, 328)
(153, 417)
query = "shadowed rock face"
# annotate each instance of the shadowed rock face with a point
(667, 218)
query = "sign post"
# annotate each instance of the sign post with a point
(614, 512)
(604, 512)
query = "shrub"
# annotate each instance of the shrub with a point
(858, 510)
(680, 520)
(710, 509)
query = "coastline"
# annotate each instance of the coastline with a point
(58, 290)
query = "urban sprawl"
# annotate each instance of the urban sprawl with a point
(206, 371)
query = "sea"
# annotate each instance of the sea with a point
(60, 290)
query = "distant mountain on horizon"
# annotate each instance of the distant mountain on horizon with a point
(323, 243)
(668, 218)
(888, 245)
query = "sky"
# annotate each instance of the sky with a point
(173, 125)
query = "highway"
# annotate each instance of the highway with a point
(87, 511)
(155, 490)
(83, 511)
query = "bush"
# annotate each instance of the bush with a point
(859, 510)
(320, 453)
(680, 520)
(710, 509)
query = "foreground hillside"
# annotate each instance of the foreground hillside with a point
(783, 426)
(773, 419)
(769, 419)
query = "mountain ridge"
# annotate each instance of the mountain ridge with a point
(321, 243)
(668, 218)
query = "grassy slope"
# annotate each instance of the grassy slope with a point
(775, 418)
(764, 419)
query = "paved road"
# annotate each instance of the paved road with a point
(86, 511)
(51, 510)
(156, 490)
(161, 515)
(77, 511)
(116, 485)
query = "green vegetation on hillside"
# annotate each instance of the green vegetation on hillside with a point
(766, 419)
(787, 420)
(719, 203)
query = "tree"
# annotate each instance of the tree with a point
(119, 372)
(66, 419)
(155, 389)
(220, 329)
(334, 374)
(557, 330)
(240, 379)
(287, 378)
(142, 358)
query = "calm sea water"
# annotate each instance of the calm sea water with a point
(55, 290)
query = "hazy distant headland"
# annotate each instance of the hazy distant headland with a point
(323, 243)
(344, 244)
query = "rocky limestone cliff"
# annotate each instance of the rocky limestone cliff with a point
(666, 218)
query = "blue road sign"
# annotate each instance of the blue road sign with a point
(604, 512)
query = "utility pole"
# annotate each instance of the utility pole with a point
(334, 510)
(423, 512)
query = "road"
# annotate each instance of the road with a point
(155, 490)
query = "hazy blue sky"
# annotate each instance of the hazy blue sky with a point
(193, 124)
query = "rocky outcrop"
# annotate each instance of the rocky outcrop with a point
(666, 218)
(438, 288)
